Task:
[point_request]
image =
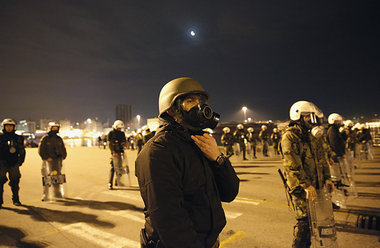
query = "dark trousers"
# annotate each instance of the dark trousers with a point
(14, 179)
(301, 234)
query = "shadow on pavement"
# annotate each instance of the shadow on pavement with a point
(368, 173)
(367, 184)
(12, 237)
(65, 217)
(99, 205)
(252, 166)
(369, 195)
(252, 173)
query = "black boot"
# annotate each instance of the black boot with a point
(15, 198)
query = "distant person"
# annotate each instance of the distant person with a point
(52, 151)
(364, 138)
(275, 137)
(117, 144)
(264, 136)
(240, 138)
(183, 177)
(139, 141)
(148, 135)
(105, 139)
(252, 138)
(335, 138)
(12, 156)
(227, 141)
(99, 141)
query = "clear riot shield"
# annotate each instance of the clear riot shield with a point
(347, 170)
(322, 223)
(237, 151)
(53, 180)
(121, 167)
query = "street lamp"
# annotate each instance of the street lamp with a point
(138, 121)
(245, 112)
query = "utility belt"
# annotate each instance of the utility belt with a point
(146, 243)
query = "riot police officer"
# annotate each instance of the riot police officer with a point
(12, 156)
(240, 138)
(335, 137)
(117, 144)
(264, 136)
(52, 151)
(227, 141)
(252, 139)
(275, 137)
(183, 177)
(304, 172)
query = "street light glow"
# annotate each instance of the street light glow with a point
(245, 112)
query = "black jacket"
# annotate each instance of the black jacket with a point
(12, 149)
(182, 190)
(117, 141)
(52, 146)
(336, 140)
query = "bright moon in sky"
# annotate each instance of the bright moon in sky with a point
(192, 33)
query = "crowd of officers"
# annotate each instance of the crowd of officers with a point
(248, 141)
(184, 160)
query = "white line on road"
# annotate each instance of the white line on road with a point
(247, 201)
(124, 195)
(232, 215)
(128, 214)
(98, 237)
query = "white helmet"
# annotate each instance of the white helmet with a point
(356, 126)
(8, 121)
(348, 123)
(226, 129)
(250, 129)
(335, 118)
(240, 126)
(362, 126)
(53, 124)
(275, 130)
(304, 107)
(118, 124)
(263, 127)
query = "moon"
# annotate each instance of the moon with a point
(192, 33)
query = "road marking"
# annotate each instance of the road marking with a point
(232, 215)
(127, 214)
(247, 201)
(124, 195)
(234, 237)
(98, 237)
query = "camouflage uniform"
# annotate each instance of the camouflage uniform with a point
(305, 163)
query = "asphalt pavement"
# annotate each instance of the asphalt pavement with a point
(93, 216)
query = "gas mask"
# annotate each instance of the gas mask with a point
(309, 120)
(200, 116)
(317, 131)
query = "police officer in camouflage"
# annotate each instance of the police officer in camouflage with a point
(305, 165)
(12, 156)
(240, 138)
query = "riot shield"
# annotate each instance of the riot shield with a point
(322, 223)
(347, 173)
(53, 180)
(121, 167)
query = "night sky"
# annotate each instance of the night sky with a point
(78, 59)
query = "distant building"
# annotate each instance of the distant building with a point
(65, 124)
(124, 113)
(27, 126)
(44, 124)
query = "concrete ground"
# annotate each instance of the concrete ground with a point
(93, 216)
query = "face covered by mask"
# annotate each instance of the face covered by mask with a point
(310, 121)
(197, 113)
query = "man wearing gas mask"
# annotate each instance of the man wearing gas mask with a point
(305, 164)
(12, 156)
(183, 177)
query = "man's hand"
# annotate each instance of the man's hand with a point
(49, 159)
(329, 185)
(208, 146)
(311, 193)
